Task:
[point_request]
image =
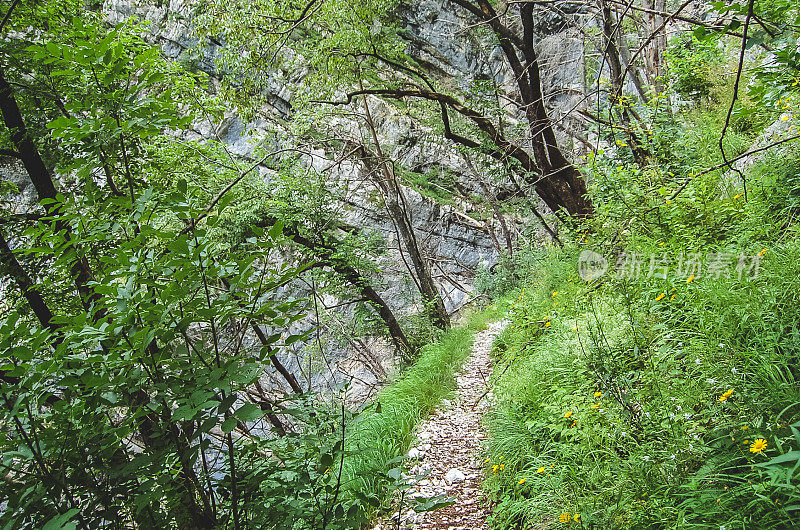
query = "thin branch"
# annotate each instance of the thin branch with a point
(736, 94)
(731, 161)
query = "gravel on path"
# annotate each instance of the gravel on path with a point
(448, 448)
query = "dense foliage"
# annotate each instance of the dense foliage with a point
(152, 357)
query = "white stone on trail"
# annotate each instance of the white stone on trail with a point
(450, 442)
(454, 476)
(415, 453)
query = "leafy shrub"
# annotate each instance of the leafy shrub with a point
(691, 62)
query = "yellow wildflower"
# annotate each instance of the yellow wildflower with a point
(568, 414)
(555, 293)
(726, 395)
(758, 446)
(745, 427)
(564, 517)
(552, 466)
(521, 481)
(494, 468)
(540, 470)
(596, 405)
(598, 394)
(691, 279)
(737, 195)
(785, 118)
(576, 518)
(763, 251)
(500, 457)
(671, 298)
(659, 297)
(326, 471)
(487, 459)
(502, 467)
(575, 328)
(547, 324)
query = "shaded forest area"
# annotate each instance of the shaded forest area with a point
(245, 245)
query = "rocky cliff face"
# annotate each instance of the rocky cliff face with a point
(455, 244)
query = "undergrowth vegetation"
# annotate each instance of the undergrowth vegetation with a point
(664, 392)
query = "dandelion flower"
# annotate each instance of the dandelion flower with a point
(568, 414)
(547, 324)
(659, 297)
(726, 395)
(691, 279)
(596, 405)
(502, 467)
(745, 427)
(576, 518)
(540, 470)
(598, 394)
(758, 446)
(763, 251)
(494, 468)
(574, 422)
(487, 459)
(564, 517)
(521, 481)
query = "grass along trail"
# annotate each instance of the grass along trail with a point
(448, 447)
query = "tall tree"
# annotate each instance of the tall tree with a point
(353, 44)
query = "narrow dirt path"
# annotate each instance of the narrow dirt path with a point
(448, 447)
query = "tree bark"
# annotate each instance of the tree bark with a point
(616, 101)
(325, 253)
(556, 180)
(14, 270)
(395, 205)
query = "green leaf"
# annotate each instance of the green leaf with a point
(229, 424)
(249, 412)
(62, 521)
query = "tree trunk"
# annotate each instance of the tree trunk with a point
(395, 205)
(560, 184)
(616, 100)
(325, 252)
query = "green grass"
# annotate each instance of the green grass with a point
(656, 448)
